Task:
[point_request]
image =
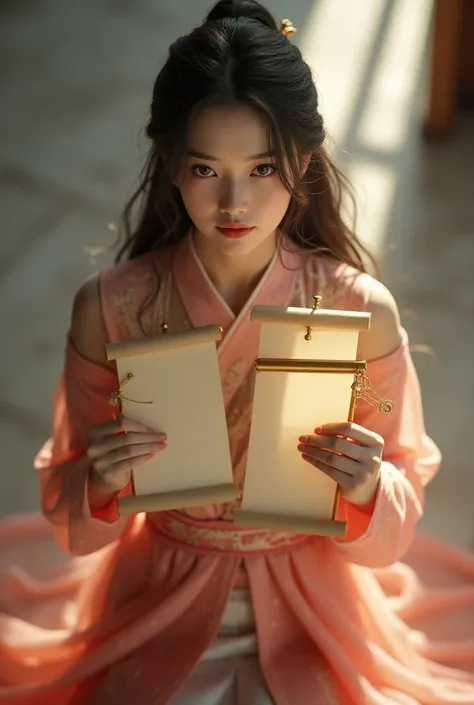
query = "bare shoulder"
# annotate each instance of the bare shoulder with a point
(384, 335)
(88, 333)
(350, 289)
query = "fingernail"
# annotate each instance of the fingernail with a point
(303, 439)
(319, 429)
(161, 436)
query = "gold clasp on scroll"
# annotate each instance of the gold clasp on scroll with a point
(117, 397)
(316, 304)
(362, 389)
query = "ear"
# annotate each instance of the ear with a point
(167, 166)
(178, 181)
(305, 164)
(179, 178)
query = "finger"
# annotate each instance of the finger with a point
(113, 476)
(334, 444)
(338, 462)
(129, 453)
(114, 480)
(108, 444)
(347, 482)
(351, 430)
(120, 425)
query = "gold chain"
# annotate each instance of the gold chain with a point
(363, 390)
(116, 398)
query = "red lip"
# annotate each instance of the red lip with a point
(235, 226)
(235, 230)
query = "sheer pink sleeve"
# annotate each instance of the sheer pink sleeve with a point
(81, 401)
(379, 535)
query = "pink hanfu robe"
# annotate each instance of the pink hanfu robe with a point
(380, 617)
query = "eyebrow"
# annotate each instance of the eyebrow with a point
(209, 157)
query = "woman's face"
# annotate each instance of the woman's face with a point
(230, 183)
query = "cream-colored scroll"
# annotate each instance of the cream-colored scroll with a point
(171, 383)
(307, 375)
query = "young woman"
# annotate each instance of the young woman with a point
(239, 205)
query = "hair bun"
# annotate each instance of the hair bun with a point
(242, 8)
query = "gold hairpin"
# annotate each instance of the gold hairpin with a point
(287, 28)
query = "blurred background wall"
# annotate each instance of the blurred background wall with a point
(75, 83)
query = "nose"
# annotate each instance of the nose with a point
(233, 210)
(233, 200)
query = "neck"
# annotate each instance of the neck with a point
(235, 277)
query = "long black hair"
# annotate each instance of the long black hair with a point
(239, 56)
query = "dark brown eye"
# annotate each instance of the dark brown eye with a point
(203, 171)
(264, 170)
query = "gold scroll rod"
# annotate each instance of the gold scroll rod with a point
(275, 364)
(361, 388)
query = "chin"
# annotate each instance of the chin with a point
(246, 244)
(236, 248)
(211, 239)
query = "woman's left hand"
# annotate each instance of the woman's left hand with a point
(348, 453)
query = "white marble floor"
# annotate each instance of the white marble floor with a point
(75, 81)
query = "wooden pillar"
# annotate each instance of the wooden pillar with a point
(466, 55)
(444, 67)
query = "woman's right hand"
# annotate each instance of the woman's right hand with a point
(115, 447)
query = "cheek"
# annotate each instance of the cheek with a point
(198, 195)
(275, 198)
